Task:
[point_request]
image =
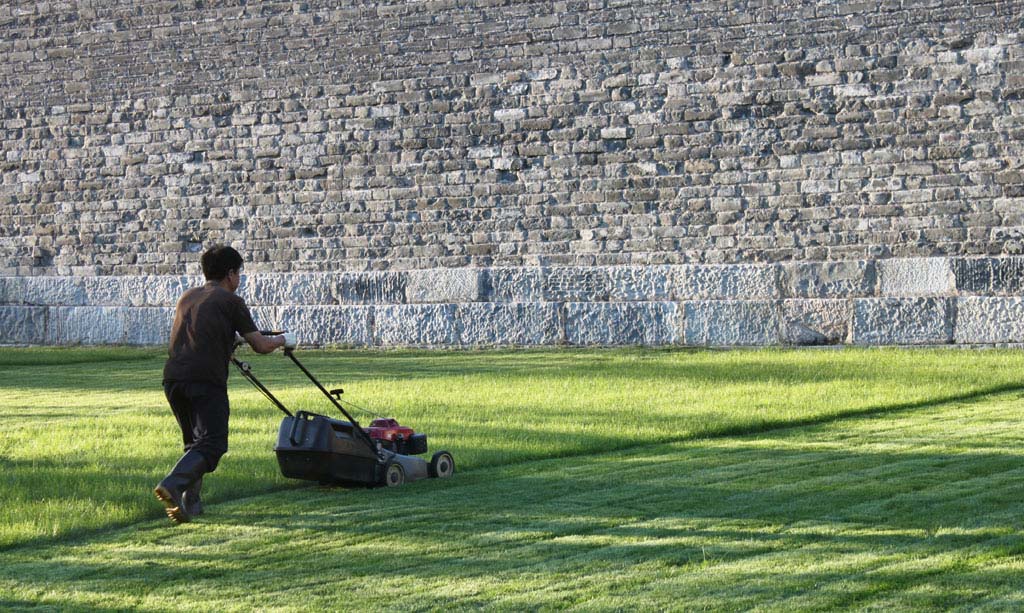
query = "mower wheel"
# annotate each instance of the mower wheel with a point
(442, 465)
(394, 475)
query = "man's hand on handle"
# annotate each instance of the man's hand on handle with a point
(266, 342)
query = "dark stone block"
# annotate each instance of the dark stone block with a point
(973, 275)
(371, 288)
(1008, 276)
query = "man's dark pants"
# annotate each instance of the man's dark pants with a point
(202, 413)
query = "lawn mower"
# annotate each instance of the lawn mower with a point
(331, 451)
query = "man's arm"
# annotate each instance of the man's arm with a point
(264, 344)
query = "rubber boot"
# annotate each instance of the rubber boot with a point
(191, 500)
(188, 470)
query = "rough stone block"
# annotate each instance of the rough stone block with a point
(22, 325)
(513, 285)
(989, 320)
(896, 321)
(916, 277)
(575, 284)
(166, 291)
(320, 325)
(640, 283)
(115, 291)
(267, 318)
(445, 285)
(86, 325)
(491, 324)
(622, 323)
(12, 290)
(416, 325)
(732, 323)
(147, 325)
(54, 291)
(816, 322)
(726, 282)
(287, 289)
(849, 279)
(369, 288)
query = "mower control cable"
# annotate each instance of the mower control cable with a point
(355, 424)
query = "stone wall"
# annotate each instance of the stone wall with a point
(463, 172)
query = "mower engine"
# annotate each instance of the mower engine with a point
(387, 433)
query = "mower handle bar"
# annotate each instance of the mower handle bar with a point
(246, 371)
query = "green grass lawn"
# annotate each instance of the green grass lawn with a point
(590, 479)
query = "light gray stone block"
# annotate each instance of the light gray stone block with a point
(147, 325)
(902, 321)
(443, 285)
(287, 289)
(22, 325)
(640, 283)
(513, 285)
(267, 318)
(86, 325)
(905, 277)
(416, 325)
(816, 322)
(732, 323)
(726, 282)
(54, 291)
(369, 288)
(575, 284)
(328, 325)
(985, 320)
(166, 290)
(501, 324)
(115, 291)
(622, 323)
(849, 279)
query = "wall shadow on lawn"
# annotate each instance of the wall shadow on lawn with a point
(686, 506)
(109, 481)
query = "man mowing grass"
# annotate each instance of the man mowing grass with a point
(206, 321)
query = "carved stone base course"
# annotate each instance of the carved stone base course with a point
(908, 301)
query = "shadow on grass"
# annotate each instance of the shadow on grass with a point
(97, 486)
(854, 519)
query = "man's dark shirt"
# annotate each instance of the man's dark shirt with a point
(203, 335)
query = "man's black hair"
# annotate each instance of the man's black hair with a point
(218, 261)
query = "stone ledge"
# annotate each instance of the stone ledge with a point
(895, 278)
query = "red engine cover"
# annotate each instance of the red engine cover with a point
(388, 430)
